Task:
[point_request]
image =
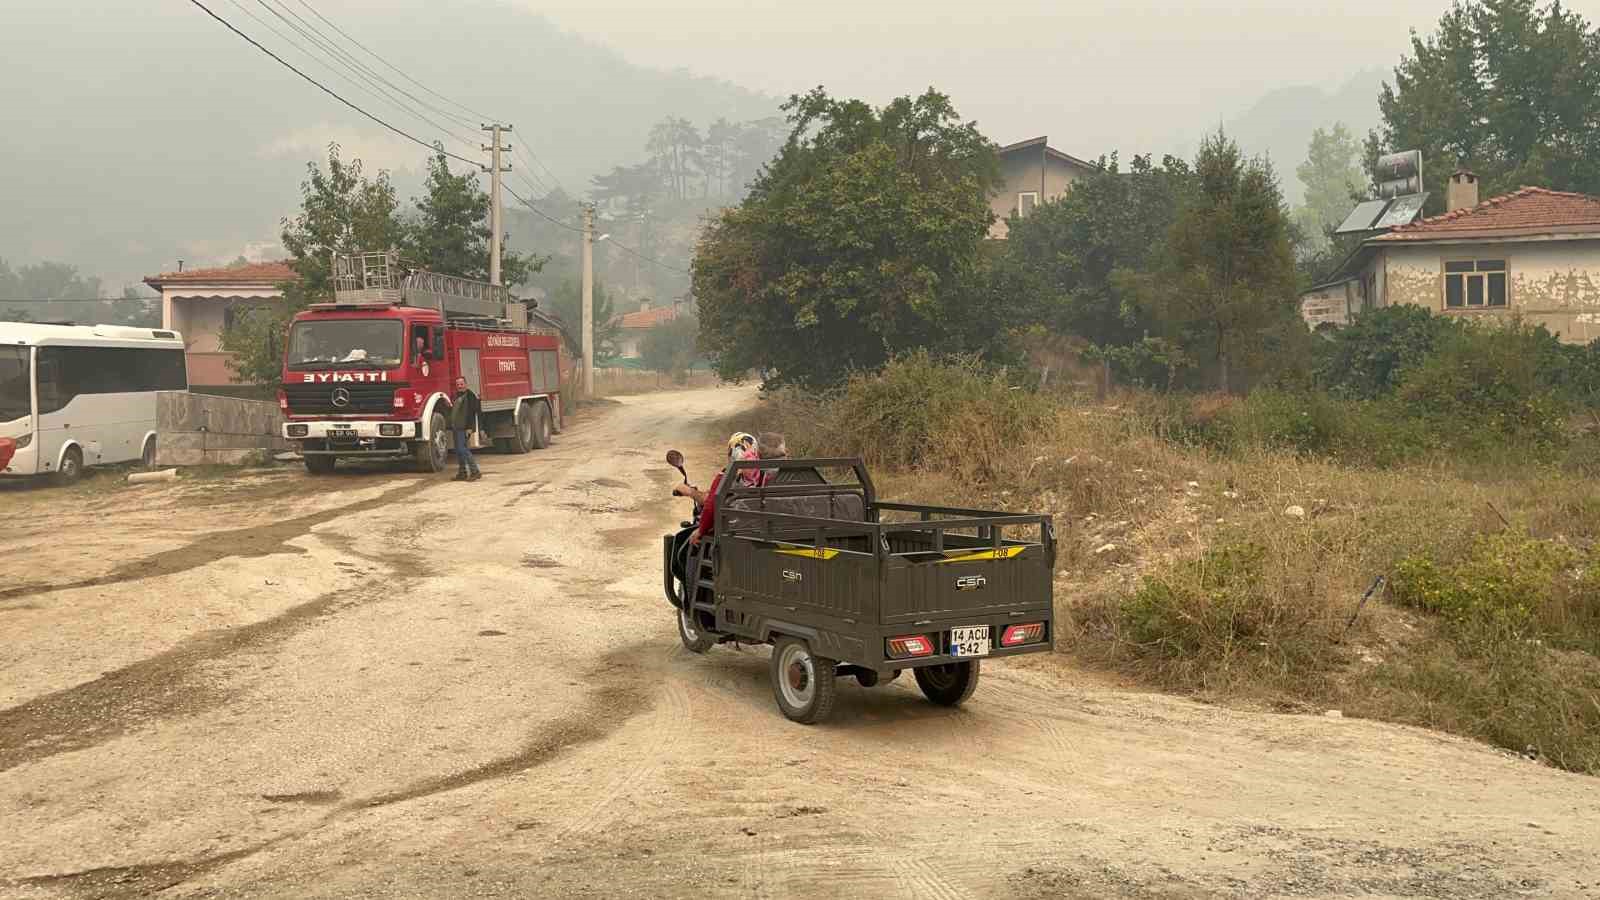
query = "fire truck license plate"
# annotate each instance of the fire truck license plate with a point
(969, 640)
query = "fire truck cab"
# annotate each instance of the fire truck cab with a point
(371, 374)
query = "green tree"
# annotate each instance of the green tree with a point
(670, 346)
(1508, 88)
(1332, 178)
(566, 304)
(1227, 284)
(862, 239)
(449, 232)
(1063, 256)
(341, 211)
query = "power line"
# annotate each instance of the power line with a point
(553, 178)
(392, 66)
(81, 300)
(329, 91)
(322, 42)
(360, 81)
(539, 212)
(649, 259)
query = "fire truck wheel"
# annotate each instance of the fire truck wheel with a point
(541, 425)
(522, 437)
(432, 454)
(320, 465)
(555, 417)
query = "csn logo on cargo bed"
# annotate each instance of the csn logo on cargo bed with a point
(971, 583)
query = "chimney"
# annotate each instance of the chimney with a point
(180, 265)
(1462, 191)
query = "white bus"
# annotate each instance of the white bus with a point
(83, 395)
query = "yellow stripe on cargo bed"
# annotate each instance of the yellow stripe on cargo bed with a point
(973, 556)
(810, 552)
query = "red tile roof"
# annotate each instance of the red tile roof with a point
(253, 273)
(1530, 210)
(648, 318)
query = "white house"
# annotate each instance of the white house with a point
(1533, 252)
(201, 303)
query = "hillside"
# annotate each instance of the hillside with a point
(224, 133)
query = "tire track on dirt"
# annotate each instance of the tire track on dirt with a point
(251, 542)
(165, 685)
(603, 712)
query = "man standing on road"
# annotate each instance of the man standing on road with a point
(464, 411)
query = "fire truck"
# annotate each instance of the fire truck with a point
(371, 374)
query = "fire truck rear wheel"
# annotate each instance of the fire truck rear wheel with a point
(432, 454)
(522, 438)
(541, 425)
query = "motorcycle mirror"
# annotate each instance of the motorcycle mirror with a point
(675, 460)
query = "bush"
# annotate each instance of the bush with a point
(1369, 357)
(1509, 587)
(919, 411)
(1221, 617)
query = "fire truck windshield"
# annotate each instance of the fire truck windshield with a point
(345, 343)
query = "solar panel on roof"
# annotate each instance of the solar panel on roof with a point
(1362, 217)
(1403, 211)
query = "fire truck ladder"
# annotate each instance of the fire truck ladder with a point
(382, 278)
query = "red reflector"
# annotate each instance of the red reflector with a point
(1032, 633)
(910, 645)
(283, 400)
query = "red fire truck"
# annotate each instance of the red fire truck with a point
(371, 374)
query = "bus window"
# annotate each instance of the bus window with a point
(55, 389)
(15, 402)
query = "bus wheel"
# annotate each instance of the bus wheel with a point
(147, 459)
(71, 466)
(321, 465)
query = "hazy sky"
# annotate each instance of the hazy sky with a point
(1094, 73)
(141, 131)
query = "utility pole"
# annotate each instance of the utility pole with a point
(588, 299)
(496, 217)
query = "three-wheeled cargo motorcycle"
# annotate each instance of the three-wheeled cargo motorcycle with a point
(843, 584)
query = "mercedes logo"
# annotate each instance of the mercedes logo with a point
(341, 397)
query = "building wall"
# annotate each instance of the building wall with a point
(1555, 283)
(1028, 171)
(199, 314)
(1328, 305)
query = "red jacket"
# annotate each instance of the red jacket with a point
(708, 512)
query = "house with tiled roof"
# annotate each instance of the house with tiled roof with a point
(633, 326)
(1533, 252)
(201, 303)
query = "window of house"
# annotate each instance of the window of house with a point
(1475, 284)
(1026, 201)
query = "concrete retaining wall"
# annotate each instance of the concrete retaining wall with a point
(199, 429)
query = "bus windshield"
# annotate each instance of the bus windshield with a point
(15, 399)
(345, 344)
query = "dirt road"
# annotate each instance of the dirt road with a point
(381, 684)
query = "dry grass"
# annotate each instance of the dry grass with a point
(1182, 567)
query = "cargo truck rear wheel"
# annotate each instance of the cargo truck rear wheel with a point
(432, 454)
(802, 683)
(541, 425)
(950, 684)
